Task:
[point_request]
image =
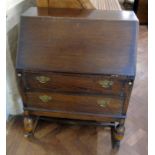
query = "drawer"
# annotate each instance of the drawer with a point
(73, 83)
(74, 103)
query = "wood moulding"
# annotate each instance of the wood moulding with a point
(79, 4)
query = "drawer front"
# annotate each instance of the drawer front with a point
(73, 83)
(74, 103)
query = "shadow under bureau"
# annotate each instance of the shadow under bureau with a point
(77, 65)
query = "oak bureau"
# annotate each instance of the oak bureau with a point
(77, 65)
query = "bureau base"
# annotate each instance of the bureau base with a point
(117, 127)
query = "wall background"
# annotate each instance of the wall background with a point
(14, 9)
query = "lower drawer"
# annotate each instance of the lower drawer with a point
(95, 104)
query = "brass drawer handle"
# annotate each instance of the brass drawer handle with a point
(103, 103)
(106, 83)
(42, 79)
(45, 98)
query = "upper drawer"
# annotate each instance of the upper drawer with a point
(73, 83)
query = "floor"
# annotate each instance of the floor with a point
(56, 139)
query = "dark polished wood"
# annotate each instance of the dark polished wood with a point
(141, 9)
(74, 83)
(58, 43)
(60, 139)
(77, 64)
(96, 104)
(75, 116)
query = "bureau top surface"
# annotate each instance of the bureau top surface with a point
(78, 41)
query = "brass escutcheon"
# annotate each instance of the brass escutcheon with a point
(103, 103)
(42, 79)
(45, 98)
(106, 83)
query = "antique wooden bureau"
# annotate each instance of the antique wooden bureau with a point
(77, 65)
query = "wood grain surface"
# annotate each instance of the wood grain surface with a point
(80, 4)
(75, 103)
(74, 83)
(56, 139)
(66, 44)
